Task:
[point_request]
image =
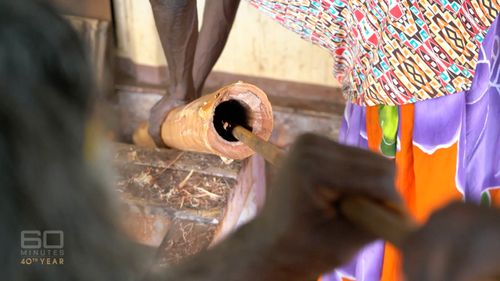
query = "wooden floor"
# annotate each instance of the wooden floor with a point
(182, 202)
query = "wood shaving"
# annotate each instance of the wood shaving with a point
(226, 161)
(184, 181)
(144, 179)
(208, 193)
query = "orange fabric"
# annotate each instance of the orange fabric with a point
(392, 267)
(373, 130)
(405, 184)
(405, 177)
(434, 180)
(425, 182)
(495, 197)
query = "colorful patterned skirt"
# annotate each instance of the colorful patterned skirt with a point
(445, 149)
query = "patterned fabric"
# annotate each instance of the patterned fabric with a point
(392, 52)
(441, 155)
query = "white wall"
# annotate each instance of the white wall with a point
(257, 46)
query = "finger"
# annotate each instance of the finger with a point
(326, 164)
(345, 152)
(343, 236)
(437, 251)
(324, 199)
(350, 160)
(350, 175)
(474, 249)
(417, 255)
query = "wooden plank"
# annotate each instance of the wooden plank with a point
(173, 188)
(189, 238)
(165, 193)
(146, 224)
(205, 164)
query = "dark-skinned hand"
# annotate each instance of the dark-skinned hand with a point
(299, 233)
(300, 220)
(459, 243)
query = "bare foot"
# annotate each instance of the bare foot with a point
(158, 114)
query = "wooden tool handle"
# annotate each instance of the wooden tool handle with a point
(269, 151)
(390, 223)
(393, 225)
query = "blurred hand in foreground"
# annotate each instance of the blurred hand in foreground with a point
(459, 243)
(300, 215)
(299, 234)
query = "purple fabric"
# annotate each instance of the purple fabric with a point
(480, 139)
(353, 128)
(472, 118)
(348, 270)
(437, 122)
(367, 265)
(369, 262)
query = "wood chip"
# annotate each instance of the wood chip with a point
(184, 181)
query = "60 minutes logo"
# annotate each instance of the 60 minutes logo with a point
(44, 248)
(30, 239)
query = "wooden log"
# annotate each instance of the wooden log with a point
(291, 116)
(200, 126)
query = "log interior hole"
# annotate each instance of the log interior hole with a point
(229, 114)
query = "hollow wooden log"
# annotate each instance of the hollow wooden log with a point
(200, 126)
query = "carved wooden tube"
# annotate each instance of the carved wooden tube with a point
(201, 125)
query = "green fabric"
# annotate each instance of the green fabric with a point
(388, 120)
(485, 199)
